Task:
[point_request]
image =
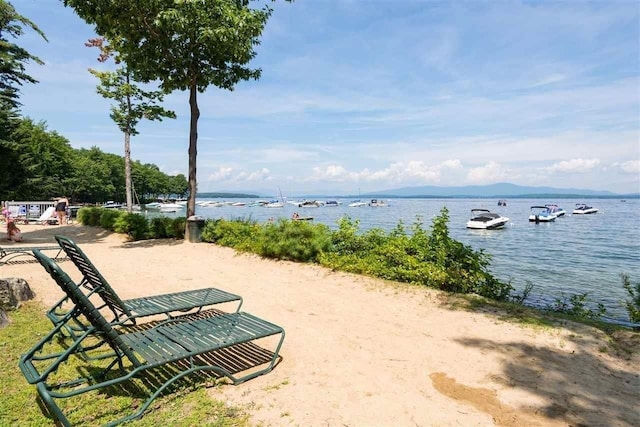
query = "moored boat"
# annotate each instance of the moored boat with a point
(541, 214)
(556, 210)
(484, 219)
(357, 204)
(378, 203)
(583, 209)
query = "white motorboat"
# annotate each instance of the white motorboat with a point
(378, 203)
(541, 214)
(556, 210)
(357, 204)
(170, 207)
(274, 204)
(309, 204)
(484, 219)
(332, 203)
(582, 208)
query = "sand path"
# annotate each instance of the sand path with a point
(362, 352)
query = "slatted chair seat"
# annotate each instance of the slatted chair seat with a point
(127, 311)
(24, 254)
(174, 340)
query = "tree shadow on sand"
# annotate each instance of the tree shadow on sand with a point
(590, 378)
(79, 234)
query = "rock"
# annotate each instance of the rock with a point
(14, 290)
(4, 320)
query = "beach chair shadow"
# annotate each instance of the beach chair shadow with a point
(10, 255)
(126, 312)
(175, 348)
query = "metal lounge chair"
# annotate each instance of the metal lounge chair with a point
(126, 312)
(187, 342)
(17, 255)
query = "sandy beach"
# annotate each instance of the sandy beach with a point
(364, 352)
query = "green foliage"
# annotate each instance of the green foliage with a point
(431, 259)
(293, 240)
(134, 225)
(13, 58)
(240, 234)
(108, 218)
(163, 227)
(576, 306)
(633, 304)
(90, 216)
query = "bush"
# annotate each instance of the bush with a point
(108, 218)
(240, 234)
(90, 216)
(177, 227)
(134, 225)
(576, 305)
(160, 228)
(632, 305)
(294, 240)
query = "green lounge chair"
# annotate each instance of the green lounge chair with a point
(189, 343)
(126, 312)
(16, 255)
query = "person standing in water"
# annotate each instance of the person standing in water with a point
(61, 209)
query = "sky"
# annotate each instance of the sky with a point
(362, 96)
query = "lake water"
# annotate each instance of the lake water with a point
(574, 254)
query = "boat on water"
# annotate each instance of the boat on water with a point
(332, 203)
(357, 204)
(556, 210)
(502, 202)
(541, 214)
(484, 219)
(582, 208)
(378, 203)
(309, 204)
(112, 205)
(274, 204)
(170, 207)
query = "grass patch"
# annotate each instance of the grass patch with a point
(185, 404)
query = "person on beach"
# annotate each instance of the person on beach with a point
(13, 232)
(61, 209)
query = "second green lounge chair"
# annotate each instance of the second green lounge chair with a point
(126, 312)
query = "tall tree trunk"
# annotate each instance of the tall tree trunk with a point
(127, 158)
(193, 151)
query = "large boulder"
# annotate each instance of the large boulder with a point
(14, 290)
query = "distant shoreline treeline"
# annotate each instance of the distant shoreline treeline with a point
(38, 164)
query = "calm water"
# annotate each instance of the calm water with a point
(574, 254)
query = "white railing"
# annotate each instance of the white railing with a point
(26, 211)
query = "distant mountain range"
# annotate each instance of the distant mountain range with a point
(493, 190)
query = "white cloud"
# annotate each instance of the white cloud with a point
(574, 165)
(221, 174)
(632, 166)
(334, 173)
(260, 175)
(489, 173)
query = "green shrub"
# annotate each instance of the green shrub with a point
(240, 234)
(576, 305)
(134, 225)
(177, 227)
(294, 240)
(108, 218)
(90, 216)
(160, 228)
(632, 305)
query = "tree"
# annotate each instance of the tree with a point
(12, 57)
(187, 45)
(132, 105)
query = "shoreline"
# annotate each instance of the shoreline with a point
(362, 351)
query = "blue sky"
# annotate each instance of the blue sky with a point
(372, 94)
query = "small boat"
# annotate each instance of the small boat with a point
(357, 204)
(502, 202)
(332, 203)
(170, 207)
(556, 210)
(582, 208)
(274, 204)
(239, 204)
(112, 205)
(309, 204)
(377, 203)
(541, 214)
(483, 219)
